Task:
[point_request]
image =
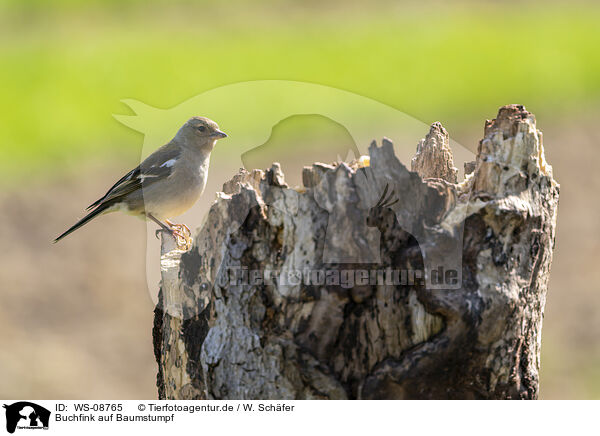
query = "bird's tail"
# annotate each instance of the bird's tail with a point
(90, 216)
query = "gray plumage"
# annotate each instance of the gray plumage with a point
(166, 183)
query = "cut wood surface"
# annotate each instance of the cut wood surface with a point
(371, 281)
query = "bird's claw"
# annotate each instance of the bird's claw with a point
(182, 235)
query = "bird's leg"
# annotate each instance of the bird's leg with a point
(183, 239)
(163, 227)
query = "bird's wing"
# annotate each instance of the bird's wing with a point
(157, 166)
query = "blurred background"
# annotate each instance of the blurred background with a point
(76, 317)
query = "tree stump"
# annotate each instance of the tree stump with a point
(371, 281)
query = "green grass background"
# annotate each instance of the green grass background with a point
(65, 67)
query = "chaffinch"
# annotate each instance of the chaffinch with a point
(166, 183)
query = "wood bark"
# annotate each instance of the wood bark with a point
(462, 318)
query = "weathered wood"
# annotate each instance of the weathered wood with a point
(475, 334)
(434, 157)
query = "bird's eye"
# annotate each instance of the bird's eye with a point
(201, 128)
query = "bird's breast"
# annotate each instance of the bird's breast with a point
(176, 194)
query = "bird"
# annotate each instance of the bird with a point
(166, 184)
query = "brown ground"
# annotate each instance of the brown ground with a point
(76, 317)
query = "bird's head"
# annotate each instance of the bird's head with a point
(200, 132)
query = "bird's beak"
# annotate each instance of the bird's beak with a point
(218, 134)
